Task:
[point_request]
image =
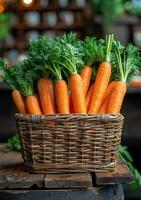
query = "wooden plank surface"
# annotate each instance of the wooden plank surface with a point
(121, 175)
(14, 175)
(68, 180)
(97, 193)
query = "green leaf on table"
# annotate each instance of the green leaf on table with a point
(13, 144)
(127, 158)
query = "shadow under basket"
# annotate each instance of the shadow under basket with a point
(70, 143)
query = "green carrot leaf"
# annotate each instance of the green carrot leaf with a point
(5, 75)
(90, 49)
(126, 62)
(25, 77)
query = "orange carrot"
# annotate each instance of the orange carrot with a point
(109, 89)
(88, 97)
(127, 62)
(101, 80)
(62, 97)
(71, 110)
(19, 101)
(86, 75)
(86, 78)
(116, 98)
(45, 96)
(100, 86)
(77, 92)
(70, 104)
(33, 105)
(103, 107)
(39, 102)
(51, 89)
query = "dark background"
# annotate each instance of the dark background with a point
(86, 21)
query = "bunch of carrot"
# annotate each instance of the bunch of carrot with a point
(66, 75)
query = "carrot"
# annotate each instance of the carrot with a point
(106, 98)
(33, 105)
(70, 104)
(116, 98)
(62, 97)
(39, 102)
(86, 78)
(109, 89)
(17, 95)
(88, 97)
(86, 75)
(77, 92)
(135, 83)
(51, 89)
(103, 107)
(71, 110)
(100, 86)
(101, 81)
(45, 96)
(19, 101)
(126, 64)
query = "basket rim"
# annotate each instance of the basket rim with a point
(68, 117)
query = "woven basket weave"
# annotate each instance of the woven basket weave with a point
(69, 143)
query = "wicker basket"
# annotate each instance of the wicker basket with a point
(69, 143)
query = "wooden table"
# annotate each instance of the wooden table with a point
(18, 184)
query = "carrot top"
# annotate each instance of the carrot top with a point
(104, 49)
(25, 78)
(48, 54)
(126, 62)
(70, 57)
(71, 38)
(65, 52)
(43, 53)
(97, 51)
(109, 41)
(19, 77)
(39, 51)
(90, 49)
(5, 75)
(39, 47)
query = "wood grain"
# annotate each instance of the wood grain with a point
(121, 175)
(68, 180)
(13, 175)
(100, 193)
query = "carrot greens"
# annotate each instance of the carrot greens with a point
(24, 77)
(72, 39)
(126, 63)
(90, 49)
(6, 76)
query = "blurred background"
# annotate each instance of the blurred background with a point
(23, 20)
